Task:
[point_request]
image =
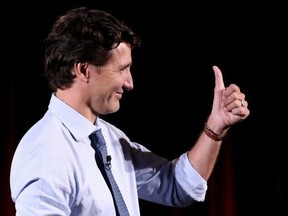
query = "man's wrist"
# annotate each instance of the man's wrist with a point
(211, 134)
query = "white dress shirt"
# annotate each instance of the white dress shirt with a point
(54, 171)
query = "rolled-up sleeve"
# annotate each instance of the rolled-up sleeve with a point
(189, 179)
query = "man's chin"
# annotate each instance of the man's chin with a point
(111, 110)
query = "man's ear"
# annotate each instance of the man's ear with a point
(81, 71)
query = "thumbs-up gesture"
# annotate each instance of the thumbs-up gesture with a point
(229, 105)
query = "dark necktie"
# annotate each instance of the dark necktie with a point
(104, 163)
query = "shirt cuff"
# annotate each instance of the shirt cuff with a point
(190, 179)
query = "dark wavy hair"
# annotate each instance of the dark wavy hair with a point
(82, 35)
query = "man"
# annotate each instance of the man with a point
(53, 172)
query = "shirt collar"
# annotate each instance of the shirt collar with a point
(79, 126)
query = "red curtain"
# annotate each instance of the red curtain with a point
(221, 196)
(7, 205)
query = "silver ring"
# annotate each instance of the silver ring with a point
(242, 102)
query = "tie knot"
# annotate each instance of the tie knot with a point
(97, 139)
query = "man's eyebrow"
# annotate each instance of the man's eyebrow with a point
(125, 66)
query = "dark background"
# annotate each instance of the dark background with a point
(174, 83)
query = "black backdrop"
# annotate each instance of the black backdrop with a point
(174, 83)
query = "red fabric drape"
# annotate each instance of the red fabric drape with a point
(221, 189)
(7, 206)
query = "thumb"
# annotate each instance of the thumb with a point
(219, 83)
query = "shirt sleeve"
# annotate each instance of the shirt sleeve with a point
(189, 179)
(172, 183)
